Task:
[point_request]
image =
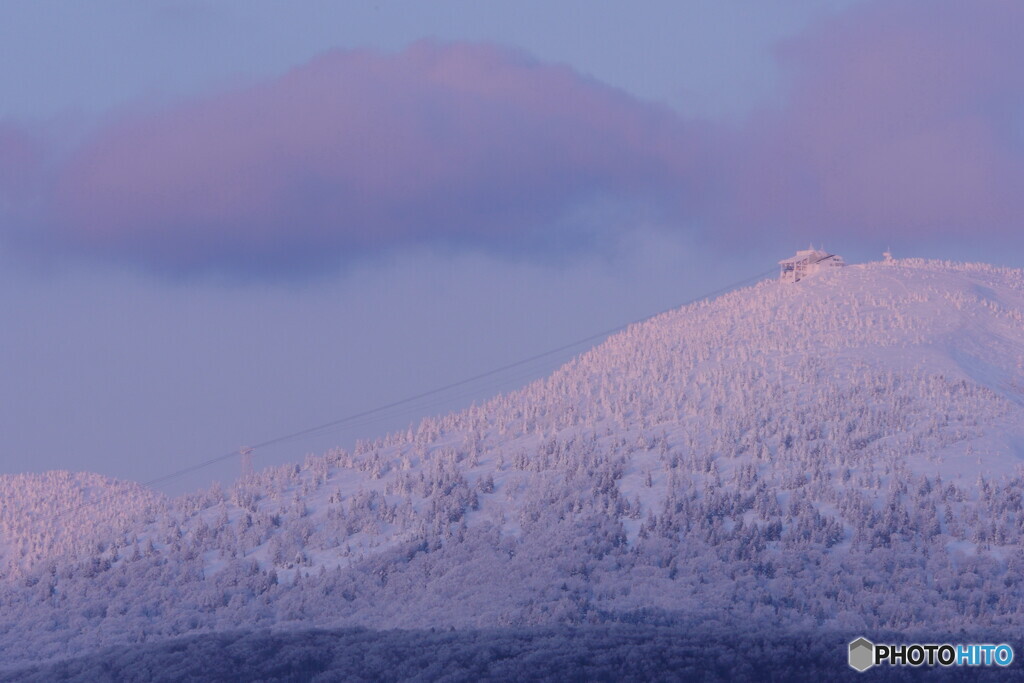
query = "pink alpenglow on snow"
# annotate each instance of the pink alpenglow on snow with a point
(357, 152)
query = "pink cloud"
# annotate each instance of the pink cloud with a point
(903, 120)
(357, 152)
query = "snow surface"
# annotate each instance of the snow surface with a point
(844, 452)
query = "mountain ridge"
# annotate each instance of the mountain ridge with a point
(843, 452)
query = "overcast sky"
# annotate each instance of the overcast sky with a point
(225, 221)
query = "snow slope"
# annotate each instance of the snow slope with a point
(65, 514)
(840, 453)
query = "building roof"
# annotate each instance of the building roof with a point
(807, 255)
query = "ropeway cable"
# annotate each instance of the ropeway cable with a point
(410, 399)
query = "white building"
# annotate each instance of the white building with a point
(807, 262)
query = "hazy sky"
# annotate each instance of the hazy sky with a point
(225, 221)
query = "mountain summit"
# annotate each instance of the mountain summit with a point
(843, 452)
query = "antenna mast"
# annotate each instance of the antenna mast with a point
(247, 469)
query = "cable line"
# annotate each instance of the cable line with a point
(495, 371)
(425, 394)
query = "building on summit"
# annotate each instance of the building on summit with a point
(808, 262)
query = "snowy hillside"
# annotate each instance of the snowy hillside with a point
(65, 514)
(841, 453)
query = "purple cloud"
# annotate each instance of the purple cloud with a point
(903, 121)
(358, 152)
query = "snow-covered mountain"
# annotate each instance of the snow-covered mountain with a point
(841, 453)
(55, 515)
